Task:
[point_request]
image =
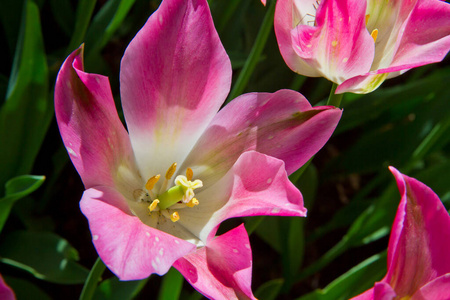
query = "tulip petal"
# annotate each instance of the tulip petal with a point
(282, 124)
(175, 75)
(257, 184)
(383, 291)
(222, 269)
(438, 289)
(338, 46)
(420, 239)
(128, 247)
(6, 293)
(96, 140)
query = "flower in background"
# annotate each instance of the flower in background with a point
(6, 293)
(358, 44)
(418, 260)
(155, 195)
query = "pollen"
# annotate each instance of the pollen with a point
(189, 174)
(140, 195)
(174, 217)
(153, 206)
(151, 182)
(374, 34)
(171, 171)
(192, 203)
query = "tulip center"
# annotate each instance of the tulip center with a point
(166, 200)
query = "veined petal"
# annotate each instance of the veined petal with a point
(420, 239)
(222, 269)
(363, 84)
(383, 291)
(426, 36)
(6, 293)
(282, 124)
(95, 139)
(128, 247)
(436, 289)
(175, 75)
(256, 185)
(338, 46)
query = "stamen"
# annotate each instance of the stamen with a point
(153, 206)
(374, 34)
(367, 18)
(151, 182)
(192, 203)
(189, 174)
(171, 171)
(174, 217)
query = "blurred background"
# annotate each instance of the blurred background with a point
(336, 252)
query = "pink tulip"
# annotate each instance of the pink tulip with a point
(419, 246)
(6, 293)
(358, 44)
(156, 194)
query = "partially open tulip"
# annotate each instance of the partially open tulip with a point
(157, 192)
(419, 247)
(357, 44)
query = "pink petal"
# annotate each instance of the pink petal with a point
(383, 291)
(426, 36)
(222, 269)
(338, 47)
(438, 289)
(175, 75)
(128, 247)
(282, 124)
(6, 293)
(256, 185)
(263, 2)
(95, 139)
(420, 239)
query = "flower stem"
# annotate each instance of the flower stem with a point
(93, 278)
(255, 53)
(334, 99)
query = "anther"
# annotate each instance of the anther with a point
(171, 171)
(367, 18)
(174, 217)
(374, 34)
(192, 203)
(189, 174)
(153, 206)
(151, 182)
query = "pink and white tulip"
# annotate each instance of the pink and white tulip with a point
(156, 194)
(418, 260)
(358, 44)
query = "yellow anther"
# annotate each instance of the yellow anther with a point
(192, 203)
(154, 204)
(374, 34)
(171, 171)
(189, 174)
(174, 217)
(151, 182)
(367, 18)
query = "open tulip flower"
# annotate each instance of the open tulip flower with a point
(156, 194)
(358, 44)
(419, 246)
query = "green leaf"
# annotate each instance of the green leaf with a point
(85, 9)
(352, 283)
(28, 110)
(45, 255)
(25, 289)
(171, 286)
(17, 188)
(64, 15)
(114, 289)
(269, 290)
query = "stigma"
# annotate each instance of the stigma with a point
(161, 197)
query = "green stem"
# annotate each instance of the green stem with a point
(85, 9)
(255, 53)
(334, 99)
(93, 278)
